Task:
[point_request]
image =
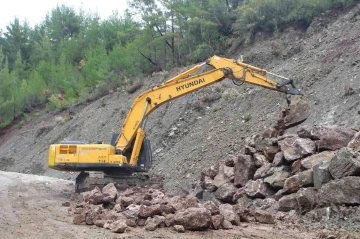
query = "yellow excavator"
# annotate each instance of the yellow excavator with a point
(129, 152)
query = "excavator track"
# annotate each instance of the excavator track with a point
(88, 180)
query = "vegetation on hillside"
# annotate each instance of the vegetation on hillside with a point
(74, 56)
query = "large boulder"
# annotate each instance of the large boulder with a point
(244, 169)
(345, 163)
(311, 161)
(258, 189)
(340, 191)
(295, 148)
(328, 137)
(193, 218)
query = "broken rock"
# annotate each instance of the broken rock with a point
(345, 163)
(258, 189)
(328, 137)
(321, 174)
(354, 144)
(118, 226)
(311, 161)
(244, 170)
(295, 148)
(264, 217)
(226, 192)
(193, 218)
(340, 191)
(217, 221)
(226, 210)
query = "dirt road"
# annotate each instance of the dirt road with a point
(31, 208)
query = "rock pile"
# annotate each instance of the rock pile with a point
(314, 168)
(276, 178)
(151, 208)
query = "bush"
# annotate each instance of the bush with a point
(135, 86)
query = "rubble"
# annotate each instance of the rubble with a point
(276, 179)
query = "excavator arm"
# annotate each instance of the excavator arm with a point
(184, 84)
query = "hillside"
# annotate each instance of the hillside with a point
(324, 60)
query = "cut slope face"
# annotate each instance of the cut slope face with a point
(193, 132)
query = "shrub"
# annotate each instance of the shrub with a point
(135, 86)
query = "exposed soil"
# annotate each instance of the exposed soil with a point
(324, 61)
(31, 207)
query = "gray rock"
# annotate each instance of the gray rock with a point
(345, 163)
(321, 174)
(277, 180)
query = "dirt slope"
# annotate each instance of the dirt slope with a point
(324, 60)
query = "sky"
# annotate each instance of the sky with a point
(35, 10)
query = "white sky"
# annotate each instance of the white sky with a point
(35, 10)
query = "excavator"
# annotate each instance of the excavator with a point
(128, 158)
